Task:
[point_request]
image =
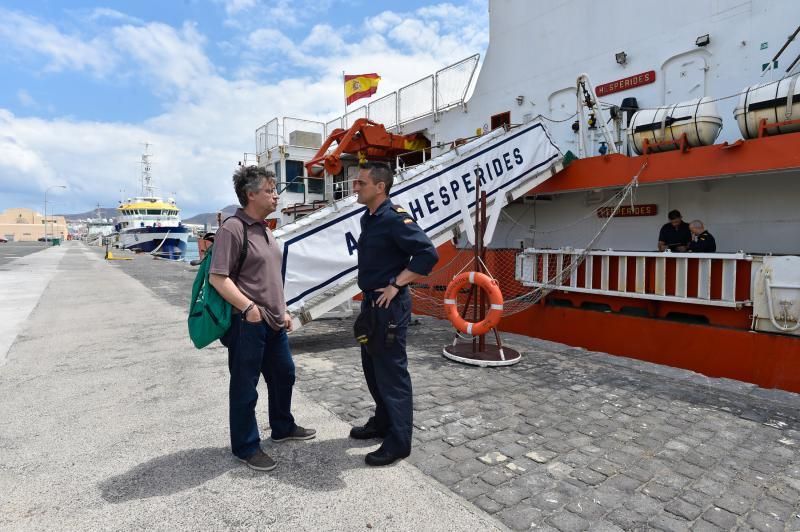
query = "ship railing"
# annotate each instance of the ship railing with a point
(431, 95)
(717, 279)
(278, 132)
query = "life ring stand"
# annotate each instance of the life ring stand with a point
(476, 351)
(488, 285)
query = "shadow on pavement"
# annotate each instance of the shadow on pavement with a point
(168, 474)
(312, 465)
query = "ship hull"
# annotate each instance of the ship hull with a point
(165, 242)
(763, 359)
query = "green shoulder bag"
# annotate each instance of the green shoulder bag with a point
(209, 313)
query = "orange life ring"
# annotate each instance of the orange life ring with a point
(489, 286)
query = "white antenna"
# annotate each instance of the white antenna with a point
(147, 186)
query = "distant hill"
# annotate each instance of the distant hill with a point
(210, 218)
(105, 212)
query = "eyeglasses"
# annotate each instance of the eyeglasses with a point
(270, 191)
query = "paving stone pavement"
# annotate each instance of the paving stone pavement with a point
(568, 439)
(574, 440)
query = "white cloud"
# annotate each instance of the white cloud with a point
(383, 22)
(325, 38)
(29, 35)
(235, 6)
(25, 98)
(101, 13)
(174, 58)
(270, 39)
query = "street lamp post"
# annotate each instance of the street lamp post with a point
(45, 209)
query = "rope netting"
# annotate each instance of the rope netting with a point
(500, 264)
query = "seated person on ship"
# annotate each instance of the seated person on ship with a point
(702, 240)
(674, 235)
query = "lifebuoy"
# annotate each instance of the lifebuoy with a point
(488, 285)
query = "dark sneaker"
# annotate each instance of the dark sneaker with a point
(366, 432)
(260, 461)
(299, 433)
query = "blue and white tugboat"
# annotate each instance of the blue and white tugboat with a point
(149, 224)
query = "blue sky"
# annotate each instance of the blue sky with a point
(84, 84)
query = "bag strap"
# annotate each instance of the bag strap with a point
(243, 251)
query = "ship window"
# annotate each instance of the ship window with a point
(501, 119)
(294, 178)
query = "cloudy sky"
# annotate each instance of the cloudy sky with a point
(83, 86)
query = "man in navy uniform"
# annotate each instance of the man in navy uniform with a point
(675, 234)
(702, 240)
(393, 251)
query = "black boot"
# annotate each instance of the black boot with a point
(366, 432)
(382, 457)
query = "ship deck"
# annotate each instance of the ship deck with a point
(113, 422)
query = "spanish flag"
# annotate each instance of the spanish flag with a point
(357, 86)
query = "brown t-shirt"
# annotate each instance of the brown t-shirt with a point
(260, 278)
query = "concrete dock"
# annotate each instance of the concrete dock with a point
(110, 419)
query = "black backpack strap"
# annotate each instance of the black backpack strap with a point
(243, 250)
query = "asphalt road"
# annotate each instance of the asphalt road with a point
(13, 250)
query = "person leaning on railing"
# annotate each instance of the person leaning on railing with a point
(675, 234)
(702, 240)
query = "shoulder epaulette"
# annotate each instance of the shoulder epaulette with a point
(398, 209)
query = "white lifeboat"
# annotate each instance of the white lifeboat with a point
(774, 101)
(698, 119)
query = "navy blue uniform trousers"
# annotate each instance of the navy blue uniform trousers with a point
(385, 366)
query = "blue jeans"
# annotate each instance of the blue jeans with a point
(255, 349)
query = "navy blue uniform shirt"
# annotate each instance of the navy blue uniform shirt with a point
(390, 242)
(705, 243)
(673, 237)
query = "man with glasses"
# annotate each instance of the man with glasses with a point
(256, 341)
(393, 251)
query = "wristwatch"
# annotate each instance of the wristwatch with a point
(393, 282)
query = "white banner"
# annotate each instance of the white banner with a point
(320, 255)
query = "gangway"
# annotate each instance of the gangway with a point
(320, 251)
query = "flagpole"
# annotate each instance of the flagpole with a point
(344, 90)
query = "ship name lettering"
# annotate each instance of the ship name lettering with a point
(430, 203)
(352, 245)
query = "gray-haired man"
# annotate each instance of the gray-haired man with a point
(702, 241)
(256, 341)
